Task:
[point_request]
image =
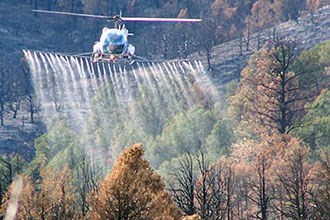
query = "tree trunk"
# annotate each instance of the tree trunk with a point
(2, 112)
(208, 58)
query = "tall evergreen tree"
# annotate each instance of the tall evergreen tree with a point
(271, 95)
(132, 191)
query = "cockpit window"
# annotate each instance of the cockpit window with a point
(115, 38)
(116, 49)
(113, 41)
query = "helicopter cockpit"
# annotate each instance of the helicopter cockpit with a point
(113, 41)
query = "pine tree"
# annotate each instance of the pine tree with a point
(271, 95)
(132, 191)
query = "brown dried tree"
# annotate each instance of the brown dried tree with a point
(50, 198)
(271, 96)
(132, 191)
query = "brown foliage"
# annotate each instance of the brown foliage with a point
(294, 182)
(279, 180)
(132, 191)
(262, 15)
(223, 14)
(192, 217)
(271, 98)
(322, 194)
(51, 198)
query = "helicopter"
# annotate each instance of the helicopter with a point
(113, 44)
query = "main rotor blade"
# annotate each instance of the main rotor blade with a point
(130, 19)
(139, 19)
(74, 14)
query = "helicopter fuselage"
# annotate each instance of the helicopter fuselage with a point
(113, 44)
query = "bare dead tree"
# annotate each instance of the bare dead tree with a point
(88, 177)
(183, 189)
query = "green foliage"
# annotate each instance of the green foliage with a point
(58, 138)
(220, 140)
(310, 65)
(127, 134)
(154, 111)
(105, 115)
(188, 131)
(315, 127)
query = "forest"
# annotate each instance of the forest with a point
(260, 150)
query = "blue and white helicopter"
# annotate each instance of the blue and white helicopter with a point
(113, 44)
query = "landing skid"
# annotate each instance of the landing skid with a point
(106, 58)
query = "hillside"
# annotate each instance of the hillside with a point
(26, 30)
(227, 62)
(239, 130)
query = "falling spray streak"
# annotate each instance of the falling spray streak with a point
(181, 68)
(101, 79)
(47, 81)
(78, 78)
(190, 69)
(99, 72)
(171, 97)
(184, 82)
(184, 72)
(116, 83)
(38, 77)
(76, 106)
(154, 74)
(199, 70)
(84, 82)
(70, 70)
(146, 75)
(136, 79)
(177, 81)
(157, 87)
(67, 88)
(56, 87)
(186, 79)
(69, 101)
(111, 78)
(211, 87)
(128, 85)
(203, 81)
(167, 86)
(193, 70)
(202, 69)
(105, 81)
(173, 83)
(127, 81)
(35, 78)
(91, 74)
(164, 78)
(121, 77)
(43, 59)
(124, 83)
